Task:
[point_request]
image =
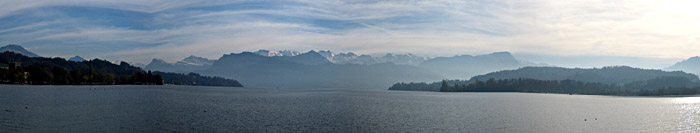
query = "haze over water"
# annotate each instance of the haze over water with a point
(139, 66)
(220, 109)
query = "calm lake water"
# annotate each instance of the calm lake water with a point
(219, 109)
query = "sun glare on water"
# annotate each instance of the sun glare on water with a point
(687, 100)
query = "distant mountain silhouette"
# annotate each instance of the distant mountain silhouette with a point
(160, 65)
(466, 66)
(351, 58)
(195, 61)
(277, 53)
(325, 69)
(136, 64)
(608, 75)
(348, 58)
(691, 65)
(308, 58)
(17, 49)
(77, 59)
(406, 59)
(309, 71)
(187, 65)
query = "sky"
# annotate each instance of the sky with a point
(648, 33)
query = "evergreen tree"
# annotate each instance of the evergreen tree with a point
(58, 71)
(444, 87)
(61, 76)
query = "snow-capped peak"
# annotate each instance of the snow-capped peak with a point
(195, 61)
(351, 58)
(277, 53)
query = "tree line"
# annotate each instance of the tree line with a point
(195, 79)
(536, 86)
(14, 73)
(670, 91)
(422, 86)
(18, 69)
(656, 86)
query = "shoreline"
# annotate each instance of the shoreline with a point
(659, 96)
(115, 85)
(291, 89)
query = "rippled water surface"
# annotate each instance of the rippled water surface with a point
(218, 109)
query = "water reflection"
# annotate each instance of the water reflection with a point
(687, 100)
(688, 114)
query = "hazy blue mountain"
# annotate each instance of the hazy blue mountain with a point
(348, 58)
(17, 49)
(195, 61)
(529, 63)
(691, 65)
(160, 65)
(325, 69)
(466, 66)
(308, 58)
(351, 58)
(187, 65)
(365, 59)
(596, 61)
(403, 59)
(136, 64)
(277, 53)
(609, 75)
(256, 70)
(77, 59)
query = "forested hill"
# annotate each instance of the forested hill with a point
(195, 79)
(656, 86)
(607, 75)
(572, 86)
(312, 71)
(59, 71)
(422, 86)
(605, 81)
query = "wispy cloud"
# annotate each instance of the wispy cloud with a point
(137, 30)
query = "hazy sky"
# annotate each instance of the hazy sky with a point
(138, 30)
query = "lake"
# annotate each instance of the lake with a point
(220, 109)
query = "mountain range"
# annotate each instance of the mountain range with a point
(189, 64)
(691, 65)
(351, 58)
(325, 69)
(308, 58)
(457, 67)
(290, 69)
(466, 66)
(17, 49)
(310, 70)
